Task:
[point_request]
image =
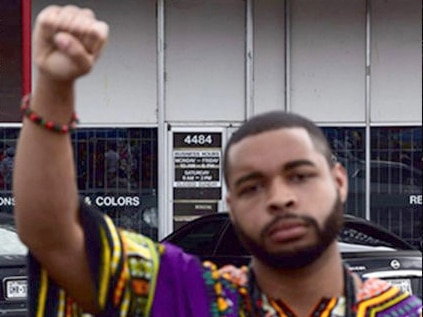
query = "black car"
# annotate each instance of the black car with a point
(368, 249)
(13, 290)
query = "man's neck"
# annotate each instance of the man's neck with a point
(302, 289)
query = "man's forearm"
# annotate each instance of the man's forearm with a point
(44, 183)
(46, 197)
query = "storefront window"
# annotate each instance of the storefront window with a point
(396, 180)
(395, 176)
(8, 137)
(116, 171)
(348, 146)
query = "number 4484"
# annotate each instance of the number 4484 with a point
(198, 139)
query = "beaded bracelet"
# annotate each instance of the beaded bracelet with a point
(49, 125)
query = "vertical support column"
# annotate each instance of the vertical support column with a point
(165, 219)
(26, 45)
(367, 105)
(249, 59)
(287, 57)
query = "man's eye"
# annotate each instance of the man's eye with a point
(299, 177)
(249, 189)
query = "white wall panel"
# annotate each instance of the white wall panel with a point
(396, 61)
(328, 59)
(122, 87)
(269, 55)
(205, 60)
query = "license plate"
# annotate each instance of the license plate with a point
(16, 289)
(402, 284)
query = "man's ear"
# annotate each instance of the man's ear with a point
(341, 179)
(228, 199)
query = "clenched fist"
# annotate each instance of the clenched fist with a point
(67, 41)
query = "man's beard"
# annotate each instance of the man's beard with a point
(300, 257)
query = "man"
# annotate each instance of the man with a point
(284, 192)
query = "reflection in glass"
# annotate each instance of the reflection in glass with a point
(116, 171)
(395, 175)
(348, 146)
(396, 180)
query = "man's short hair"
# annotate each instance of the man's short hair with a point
(275, 120)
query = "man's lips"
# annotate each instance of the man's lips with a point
(287, 230)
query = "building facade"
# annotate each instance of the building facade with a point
(178, 76)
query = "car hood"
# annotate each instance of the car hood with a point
(12, 260)
(389, 261)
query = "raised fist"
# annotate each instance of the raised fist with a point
(67, 41)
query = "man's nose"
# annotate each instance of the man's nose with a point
(281, 196)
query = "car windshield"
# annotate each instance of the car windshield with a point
(10, 243)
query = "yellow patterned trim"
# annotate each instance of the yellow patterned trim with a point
(143, 262)
(276, 307)
(62, 304)
(105, 274)
(121, 282)
(329, 307)
(117, 249)
(390, 303)
(42, 293)
(153, 280)
(124, 308)
(135, 244)
(363, 306)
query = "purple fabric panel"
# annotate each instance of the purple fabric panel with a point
(411, 305)
(180, 289)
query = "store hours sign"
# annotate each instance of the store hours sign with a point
(197, 160)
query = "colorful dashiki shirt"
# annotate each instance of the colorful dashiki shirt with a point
(139, 278)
